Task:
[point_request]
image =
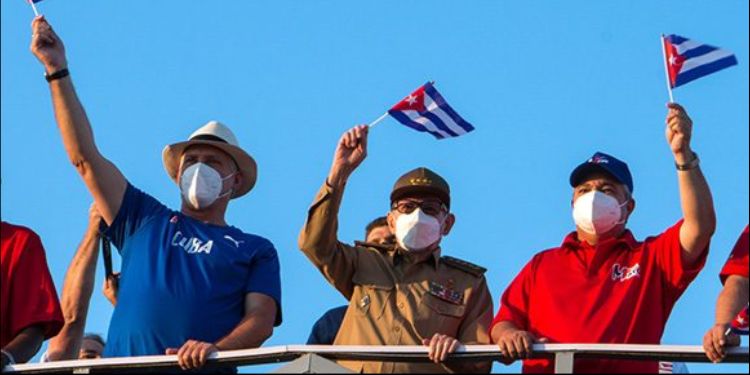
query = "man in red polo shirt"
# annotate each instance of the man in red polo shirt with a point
(733, 297)
(602, 285)
(29, 309)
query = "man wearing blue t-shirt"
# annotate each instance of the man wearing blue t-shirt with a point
(190, 283)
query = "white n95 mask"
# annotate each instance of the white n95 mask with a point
(417, 231)
(201, 185)
(597, 213)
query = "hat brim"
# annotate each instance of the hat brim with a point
(584, 170)
(410, 191)
(246, 164)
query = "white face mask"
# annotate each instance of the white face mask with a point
(597, 213)
(201, 185)
(417, 231)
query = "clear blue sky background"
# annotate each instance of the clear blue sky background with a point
(546, 84)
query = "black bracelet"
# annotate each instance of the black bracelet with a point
(689, 165)
(57, 75)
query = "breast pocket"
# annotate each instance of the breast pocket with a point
(438, 316)
(371, 296)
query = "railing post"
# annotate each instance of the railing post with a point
(564, 362)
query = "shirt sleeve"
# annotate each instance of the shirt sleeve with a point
(265, 278)
(514, 304)
(137, 208)
(738, 262)
(668, 253)
(318, 241)
(35, 297)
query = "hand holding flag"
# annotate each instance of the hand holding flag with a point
(351, 151)
(47, 46)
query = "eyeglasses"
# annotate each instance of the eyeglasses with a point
(432, 208)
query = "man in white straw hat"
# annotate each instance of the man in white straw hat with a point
(190, 283)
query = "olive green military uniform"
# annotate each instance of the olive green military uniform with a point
(394, 299)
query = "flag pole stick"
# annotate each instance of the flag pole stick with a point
(666, 67)
(33, 7)
(379, 119)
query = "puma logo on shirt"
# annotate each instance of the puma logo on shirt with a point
(235, 242)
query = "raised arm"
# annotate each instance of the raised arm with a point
(76, 294)
(318, 238)
(695, 196)
(104, 181)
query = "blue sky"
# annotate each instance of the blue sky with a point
(546, 84)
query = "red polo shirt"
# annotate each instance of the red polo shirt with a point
(28, 294)
(619, 292)
(738, 261)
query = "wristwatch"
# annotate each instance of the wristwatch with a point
(689, 165)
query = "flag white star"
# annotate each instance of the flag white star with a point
(411, 99)
(672, 60)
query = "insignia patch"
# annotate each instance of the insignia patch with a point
(364, 301)
(446, 294)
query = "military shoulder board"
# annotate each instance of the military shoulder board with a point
(463, 265)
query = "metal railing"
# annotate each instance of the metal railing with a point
(563, 354)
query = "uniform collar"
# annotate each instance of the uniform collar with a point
(626, 240)
(400, 255)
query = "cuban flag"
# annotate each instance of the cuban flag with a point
(688, 60)
(740, 323)
(425, 110)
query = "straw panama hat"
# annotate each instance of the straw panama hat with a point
(220, 136)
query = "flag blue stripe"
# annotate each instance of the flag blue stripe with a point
(438, 122)
(676, 39)
(698, 51)
(704, 70)
(404, 119)
(429, 89)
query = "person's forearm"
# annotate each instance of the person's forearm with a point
(77, 290)
(501, 328)
(105, 182)
(25, 344)
(318, 237)
(319, 242)
(733, 297)
(250, 333)
(697, 210)
(72, 121)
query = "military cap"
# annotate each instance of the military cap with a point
(421, 181)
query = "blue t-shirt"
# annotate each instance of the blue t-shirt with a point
(182, 279)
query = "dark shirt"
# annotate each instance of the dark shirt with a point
(325, 329)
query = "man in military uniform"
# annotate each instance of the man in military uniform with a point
(406, 293)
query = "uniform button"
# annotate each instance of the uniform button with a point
(397, 329)
(400, 305)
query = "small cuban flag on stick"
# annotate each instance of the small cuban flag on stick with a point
(425, 110)
(686, 60)
(740, 323)
(33, 7)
